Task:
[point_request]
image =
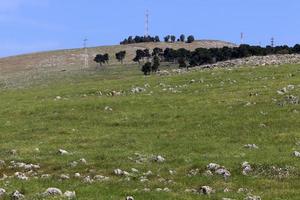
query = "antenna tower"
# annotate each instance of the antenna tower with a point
(272, 42)
(147, 23)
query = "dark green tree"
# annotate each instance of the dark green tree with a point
(182, 38)
(146, 69)
(156, 64)
(120, 56)
(173, 38)
(167, 38)
(190, 39)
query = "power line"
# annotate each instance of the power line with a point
(86, 55)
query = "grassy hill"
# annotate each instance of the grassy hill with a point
(73, 59)
(190, 119)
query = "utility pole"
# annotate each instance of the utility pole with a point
(147, 23)
(86, 55)
(272, 42)
(242, 38)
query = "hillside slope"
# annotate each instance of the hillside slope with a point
(191, 120)
(73, 59)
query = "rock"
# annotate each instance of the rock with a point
(134, 170)
(242, 190)
(296, 154)
(246, 168)
(101, 178)
(118, 172)
(159, 159)
(70, 194)
(138, 90)
(64, 176)
(63, 152)
(16, 195)
(13, 152)
(107, 108)
(208, 173)
(2, 192)
(224, 172)
(53, 192)
(58, 98)
(206, 190)
(74, 164)
(83, 161)
(213, 166)
(252, 198)
(129, 198)
(21, 176)
(227, 199)
(193, 172)
(77, 175)
(88, 180)
(251, 146)
(45, 176)
(2, 163)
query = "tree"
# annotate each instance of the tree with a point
(173, 38)
(156, 64)
(167, 38)
(146, 69)
(190, 39)
(101, 59)
(120, 56)
(182, 38)
(182, 63)
(156, 39)
(139, 55)
(157, 51)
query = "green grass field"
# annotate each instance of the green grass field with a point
(190, 124)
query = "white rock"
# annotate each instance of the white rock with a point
(129, 198)
(213, 166)
(77, 175)
(134, 170)
(246, 168)
(118, 172)
(107, 108)
(70, 194)
(64, 176)
(252, 198)
(206, 190)
(296, 154)
(251, 146)
(83, 161)
(16, 195)
(53, 192)
(2, 192)
(101, 178)
(21, 176)
(88, 179)
(159, 159)
(63, 152)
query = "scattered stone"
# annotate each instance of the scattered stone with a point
(74, 164)
(2, 192)
(13, 152)
(252, 198)
(213, 166)
(208, 173)
(159, 159)
(70, 194)
(107, 108)
(83, 161)
(53, 192)
(45, 176)
(21, 176)
(193, 172)
(63, 152)
(101, 178)
(64, 177)
(88, 180)
(246, 168)
(296, 154)
(16, 195)
(138, 90)
(120, 172)
(77, 175)
(251, 146)
(58, 98)
(206, 190)
(243, 190)
(129, 198)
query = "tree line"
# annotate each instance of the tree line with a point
(168, 38)
(200, 56)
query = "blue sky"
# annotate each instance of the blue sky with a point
(38, 25)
